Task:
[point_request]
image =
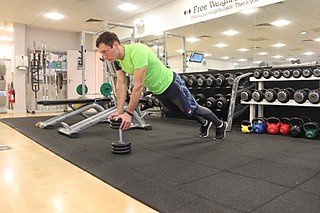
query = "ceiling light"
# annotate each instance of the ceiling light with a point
(207, 54)
(230, 32)
(221, 45)
(317, 39)
(248, 11)
(6, 38)
(278, 45)
(225, 57)
(243, 50)
(127, 6)
(263, 53)
(242, 60)
(257, 62)
(291, 59)
(308, 53)
(54, 15)
(303, 33)
(280, 23)
(180, 51)
(277, 56)
(192, 39)
(9, 29)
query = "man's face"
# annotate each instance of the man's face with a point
(107, 52)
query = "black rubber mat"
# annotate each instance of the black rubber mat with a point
(172, 170)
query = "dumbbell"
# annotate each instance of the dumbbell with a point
(246, 95)
(316, 72)
(220, 79)
(296, 127)
(296, 73)
(210, 80)
(271, 94)
(231, 78)
(192, 81)
(300, 96)
(119, 147)
(217, 97)
(287, 73)
(314, 96)
(223, 102)
(211, 102)
(257, 73)
(277, 73)
(307, 72)
(201, 80)
(185, 79)
(258, 95)
(284, 95)
(267, 73)
(273, 125)
(200, 98)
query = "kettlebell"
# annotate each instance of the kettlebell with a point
(311, 130)
(259, 125)
(285, 126)
(273, 125)
(296, 127)
(246, 126)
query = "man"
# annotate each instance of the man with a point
(147, 70)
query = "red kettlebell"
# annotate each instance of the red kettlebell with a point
(284, 126)
(273, 125)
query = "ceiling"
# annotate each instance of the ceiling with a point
(303, 15)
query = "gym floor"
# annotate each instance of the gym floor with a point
(169, 169)
(33, 179)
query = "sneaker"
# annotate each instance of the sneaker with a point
(204, 129)
(221, 132)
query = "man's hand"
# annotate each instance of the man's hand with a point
(126, 121)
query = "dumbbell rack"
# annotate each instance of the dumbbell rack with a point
(259, 106)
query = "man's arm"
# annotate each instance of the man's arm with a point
(138, 76)
(121, 91)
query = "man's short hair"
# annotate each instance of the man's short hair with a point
(107, 38)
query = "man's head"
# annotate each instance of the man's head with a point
(107, 44)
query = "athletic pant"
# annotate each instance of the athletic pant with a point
(177, 95)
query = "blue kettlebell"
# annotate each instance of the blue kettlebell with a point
(259, 125)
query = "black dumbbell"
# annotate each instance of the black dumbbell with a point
(223, 102)
(210, 80)
(258, 95)
(231, 78)
(284, 95)
(307, 72)
(192, 81)
(296, 73)
(246, 95)
(277, 73)
(316, 72)
(271, 94)
(211, 102)
(185, 79)
(267, 73)
(201, 80)
(220, 79)
(257, 73)
(287, 73)
(200, 98)
(314, 96)
(300, 96)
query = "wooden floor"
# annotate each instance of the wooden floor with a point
(33, 179)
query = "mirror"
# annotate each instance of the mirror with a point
(259, 41)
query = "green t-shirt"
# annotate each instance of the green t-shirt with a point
(158, 77)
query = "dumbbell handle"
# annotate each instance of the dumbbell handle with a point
(120, 135)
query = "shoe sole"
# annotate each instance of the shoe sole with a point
(225, 133)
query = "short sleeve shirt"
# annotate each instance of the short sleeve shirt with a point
(158, 76)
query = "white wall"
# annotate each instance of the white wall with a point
(175, 63)
(56, 40)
